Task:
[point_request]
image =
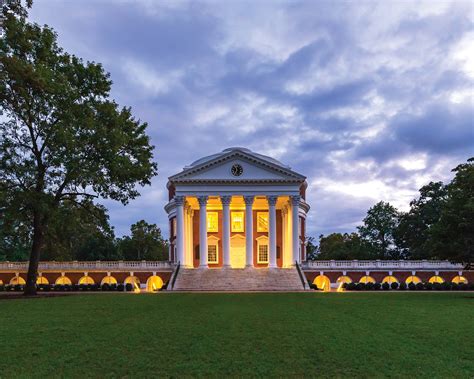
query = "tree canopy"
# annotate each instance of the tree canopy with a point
(62, 138)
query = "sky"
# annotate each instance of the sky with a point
(369, 100)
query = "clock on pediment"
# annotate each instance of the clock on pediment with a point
(236, 170)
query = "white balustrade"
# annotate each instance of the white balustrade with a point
(90, 266)
(379, 264)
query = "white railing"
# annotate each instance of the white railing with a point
(90, 266)
(384, 265)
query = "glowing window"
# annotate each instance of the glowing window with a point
(390, 279)
(133, 280)
(322, 282)
(42, 280)
(212, 256)
(436, 279)
(237, 221)
(212, 222)
(17, 280)
(459, 279)
(108, 280)
(413, 279)
(64, 280)
(262, 256)
(86, 280)
(1, 282)
(367, 279)
(154, 283)
(344, 279)
(262, 221)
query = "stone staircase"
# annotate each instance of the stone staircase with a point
(247, 279)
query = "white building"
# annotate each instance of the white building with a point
(237, 209)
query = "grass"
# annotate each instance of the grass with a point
(310, 334)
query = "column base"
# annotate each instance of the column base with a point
(203, 266)
(272, 266)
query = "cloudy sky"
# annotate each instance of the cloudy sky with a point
(369, 100)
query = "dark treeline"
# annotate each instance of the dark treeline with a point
(80, 233)
(439, 225)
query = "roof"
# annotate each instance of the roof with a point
(231, 149)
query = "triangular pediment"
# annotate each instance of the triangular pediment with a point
(237, 166)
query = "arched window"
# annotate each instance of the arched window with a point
(64, 280)
(389, 279)
(413, 279)
(367, 279)
(344, 279)
(108, 280)
(1, 282)
(322, 282)
(86, 279)
(459, 279)
(42, 280)
(17, 280)
(436, 279)
(154, 283)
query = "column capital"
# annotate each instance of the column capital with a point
(179, 200)
(295, 200)
(225, 200)
(202, 200)
(272, 200)
(249, 199)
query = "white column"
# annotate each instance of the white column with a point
(179, 201)
(225, 200)
(295, 201)
(272, 231)
(202, 231)
(248, 231)
(188, 261)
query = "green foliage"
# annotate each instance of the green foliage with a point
(145, 242)
(378, 230)
(343, 246)
(62, 138)
(415, 230)
(453, 234)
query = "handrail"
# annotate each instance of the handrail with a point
(384, 265)
(90, 265)
(175, 274)
(301, 275)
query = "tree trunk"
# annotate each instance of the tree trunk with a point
(38, 236)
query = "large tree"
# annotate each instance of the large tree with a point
(453, 234)
(145, 242)
(415, 229)
(378, 230)
(344, 246)
(62, 138)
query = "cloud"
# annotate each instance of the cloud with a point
(370, 100)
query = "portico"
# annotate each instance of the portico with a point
(237, 209)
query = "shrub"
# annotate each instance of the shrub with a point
(120, 287)
(105, 287)
(377, 286)
(445, 286)
(75, 287)
(2, 287)
(18, 287)
(462, 287)
(385, 286)
(129, 287)
(95, 287)
(394, 285)
(113, 287)
(403, 286)
(412, 286)
(454, 286)
(428, 286)
(420, 286)
(437, 286)
(369, 286)
(471, 286)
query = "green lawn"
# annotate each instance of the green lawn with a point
(308, 334)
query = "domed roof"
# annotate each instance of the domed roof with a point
(242, 149)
